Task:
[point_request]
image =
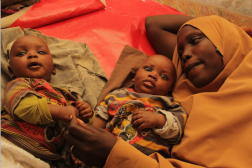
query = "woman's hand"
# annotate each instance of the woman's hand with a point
(92, 145)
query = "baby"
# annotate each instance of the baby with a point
(34, 111)
(144, 115)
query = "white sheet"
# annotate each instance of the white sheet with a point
(14, 157)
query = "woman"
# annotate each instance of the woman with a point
(217, 132)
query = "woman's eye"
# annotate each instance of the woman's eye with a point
(41, 52)
(148, 69)
(21, 54)
(195, 41)
(163, 76)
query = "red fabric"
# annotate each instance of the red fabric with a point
(105, 31)
(50, 11)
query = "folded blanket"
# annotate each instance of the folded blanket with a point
(77, 67)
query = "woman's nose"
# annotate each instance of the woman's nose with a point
(187, 54)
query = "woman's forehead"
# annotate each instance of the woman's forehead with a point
(188, 28)
(187, 32)
(210, 26)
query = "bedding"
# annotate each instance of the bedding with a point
(13, 156)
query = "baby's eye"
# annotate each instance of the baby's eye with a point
(20, 54)
(163, 76)
(149, 69)
(195, 40)
(41, 52)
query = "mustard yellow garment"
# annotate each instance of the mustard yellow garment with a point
(218, 131)
(219, 126)
(34, 110)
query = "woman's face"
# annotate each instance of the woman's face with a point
(200, 60)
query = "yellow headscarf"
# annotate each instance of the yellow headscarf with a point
(218, 132)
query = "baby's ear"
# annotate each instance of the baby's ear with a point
(11, 72)
(54, 69)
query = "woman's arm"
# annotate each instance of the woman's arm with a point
(98, 147)
(162, 32)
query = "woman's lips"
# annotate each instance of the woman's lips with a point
(194, 69)
(192, 66)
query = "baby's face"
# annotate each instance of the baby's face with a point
(156, 76)
(30, 57)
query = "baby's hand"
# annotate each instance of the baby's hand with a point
(85, 111)
(144, 119)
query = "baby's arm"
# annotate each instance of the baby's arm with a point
(63, 113)
(101, 115)
(146, 119)
(36, 111)
(33, 110)
(166, 124)
(175, 123)
(171, 129)
(99, 122)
